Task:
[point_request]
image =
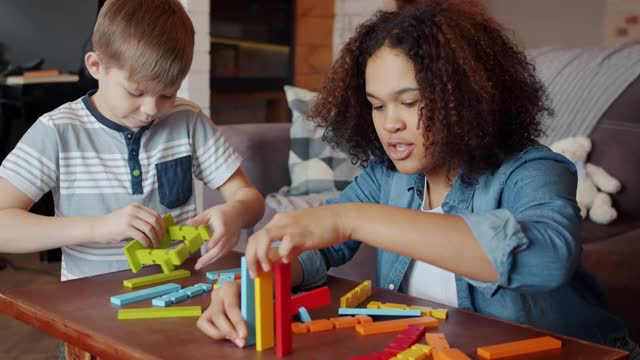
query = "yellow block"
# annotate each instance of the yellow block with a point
(156, 278)
(264, 311)
(160, 312)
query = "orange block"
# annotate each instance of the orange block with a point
(522, 347)
(450, 354)
(363, 319)
(380, 327)
(320, 325)
(436, 340)
(299, 328)
(344, 322)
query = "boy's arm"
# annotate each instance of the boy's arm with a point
(243, 199)
(22, 231)
(243, 208)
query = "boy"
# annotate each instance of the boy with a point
(121, 156)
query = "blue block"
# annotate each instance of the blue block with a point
(304, 314)
(213, 275)
(247, 302)
(378, 312)
(144, 294)
(162, 301)
(193, 291)
(178, 296)
(204, 286)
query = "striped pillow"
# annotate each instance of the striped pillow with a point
(314, 166)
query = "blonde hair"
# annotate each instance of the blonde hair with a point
(150, 39)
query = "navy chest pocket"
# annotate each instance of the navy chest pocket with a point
(175, 181)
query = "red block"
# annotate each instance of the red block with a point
(311, 300)
(283, 308)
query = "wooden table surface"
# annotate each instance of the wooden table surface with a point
(80, 313)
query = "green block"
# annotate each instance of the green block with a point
(179, 254)
(160, 312)
(156, 278)
(130, 251)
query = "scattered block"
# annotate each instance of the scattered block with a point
(516, 348)
(380, 327)
(450, 354)
(154, 313)
(156, 278)
(320, 325)
(144, 294)
(344, 322)
(180, 295)
(213, 275)
(354, 297)
(304, 315)
(437, 340)
(311, 299)
(378, 312)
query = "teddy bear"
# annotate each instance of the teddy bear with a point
(594, 183)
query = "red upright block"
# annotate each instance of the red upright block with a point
(311, 300)
(283, 308)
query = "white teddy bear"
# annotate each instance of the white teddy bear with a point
(594, 183)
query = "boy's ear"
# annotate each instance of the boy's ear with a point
(94, 65)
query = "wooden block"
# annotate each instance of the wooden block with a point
(311, 299)
(439, 313)
(156, 278)
(380, 327)
(437, 340)
(149, 293)
(452, 354)
(299, 328)
(320, 325)
(264, 311)
(247, 301)
(516, 348)
(363, 319)
(344, 322)
(213, 275)
(283, 309)
(378, 312)
(374, 305)
(154, 313)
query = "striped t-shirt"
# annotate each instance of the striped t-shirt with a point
(94, 166)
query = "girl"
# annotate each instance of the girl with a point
(443, 110)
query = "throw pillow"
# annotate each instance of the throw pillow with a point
(314, 166)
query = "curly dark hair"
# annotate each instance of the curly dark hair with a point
(480, 92)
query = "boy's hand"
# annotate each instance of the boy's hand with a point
(134, 221)
(224, 235)
(223, 319)
(297, 231)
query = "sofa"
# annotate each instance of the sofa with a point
(611, 251)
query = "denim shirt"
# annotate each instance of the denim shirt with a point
(525, 217)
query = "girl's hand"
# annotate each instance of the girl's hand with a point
(223, 319)
(134, 221)
(225, 232)
(297, 231)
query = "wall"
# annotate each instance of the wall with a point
(196, 86)
(538, 23)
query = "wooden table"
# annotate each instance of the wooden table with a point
(80, 313)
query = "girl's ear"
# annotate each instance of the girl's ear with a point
(94, 65)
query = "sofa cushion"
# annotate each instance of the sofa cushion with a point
(314, 166)
(592, 232)
(616, 147)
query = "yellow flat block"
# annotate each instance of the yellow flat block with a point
(374, 305)
(439, 313)
(155, 313)
(264, 311)
(156, 278)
